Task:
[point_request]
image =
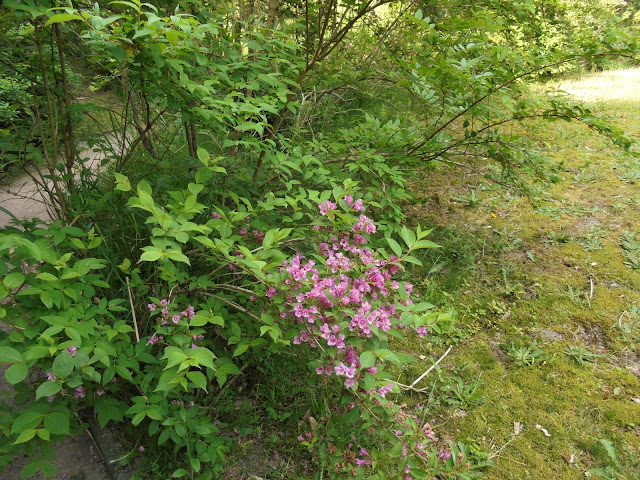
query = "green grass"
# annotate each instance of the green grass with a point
(560, 273)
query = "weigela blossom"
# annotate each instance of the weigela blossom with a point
(355, 288)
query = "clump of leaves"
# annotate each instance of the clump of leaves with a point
(526, 355)
(580, 354)
(631, 250)
(558, 238)
(592, 240)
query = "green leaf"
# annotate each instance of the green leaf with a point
(14, 280)
(411, 259)
(181, 472)
(29, 470)
(427, 244)
(240, 349)
(63, 365)
(62, 17)
(44, 434)
(16, 373)
(48, 469)
(367, 359)
(151, 255)
(408, 236)
(47, 389)
(47, 299)
(172, 37)
(57, 423)
(122, 183)
(10, 355)
(203, 156)
(198, 379)
(25, 436)
(394, 246)
(29, 419)
(47, 277)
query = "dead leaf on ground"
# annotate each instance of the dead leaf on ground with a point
(543, 430)
(517, 428)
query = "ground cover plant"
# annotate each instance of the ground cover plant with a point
(577, 305)
(235, 275)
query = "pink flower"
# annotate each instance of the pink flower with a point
(216, 215)
(175, 319)
(80, 392)
(348, 199)
(152, 307)
(243, 232)
(358, 206)
(72, 350)
(51, 377)
(326, 206)
(100, 392)
(164, 302)
(153, 340)
(272, 292)
(384, 390)
(445, 454)
(141, 448)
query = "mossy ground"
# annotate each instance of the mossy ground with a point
(519, 270)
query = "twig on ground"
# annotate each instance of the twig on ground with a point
(412, 386)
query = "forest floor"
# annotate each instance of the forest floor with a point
(545, 374)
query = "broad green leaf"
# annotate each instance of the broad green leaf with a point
(57, 423)
(394, 246)
(29, 470)
(47, 277)
(25, 436)
(44, 434)
(150, 255)
(29, 419)
(367, 359)
(62, 17)
(14, 280)
(181, 472)
(63, 365)
(203, 156)
(47, 389)
(198, 379)
(16, 373)
(48, 469)
(10, 355)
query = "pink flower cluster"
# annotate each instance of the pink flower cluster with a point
(356, 297)
(171, 319)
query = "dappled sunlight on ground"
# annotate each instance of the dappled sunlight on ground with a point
(618, 85)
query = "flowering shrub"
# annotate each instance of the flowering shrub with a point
(346, 303)
(227, 294)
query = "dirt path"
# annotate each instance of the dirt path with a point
(79, 458)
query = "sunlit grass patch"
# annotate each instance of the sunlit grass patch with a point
(548, 298)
